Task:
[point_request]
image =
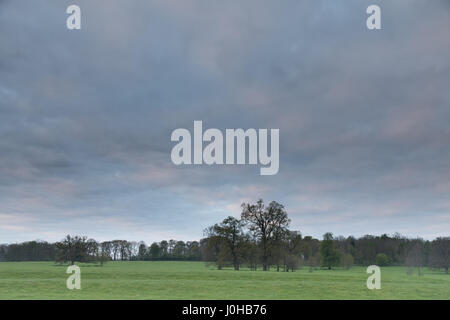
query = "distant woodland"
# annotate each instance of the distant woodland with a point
(260, 239)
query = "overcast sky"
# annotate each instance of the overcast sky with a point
(86, 116)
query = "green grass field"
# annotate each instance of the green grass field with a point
(194, 280)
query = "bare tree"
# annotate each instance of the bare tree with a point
(142, 250)
(229, 231)
(440, 253)
(415, 255)
(266, 224)
(106, 248)
(293, 241)
(115, 244)
(71, 249)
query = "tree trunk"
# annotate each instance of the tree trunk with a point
(235, 263)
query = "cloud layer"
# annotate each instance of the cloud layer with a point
(86, 116)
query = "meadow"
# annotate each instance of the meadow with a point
(195, 280)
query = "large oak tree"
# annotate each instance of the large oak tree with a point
(267, 223)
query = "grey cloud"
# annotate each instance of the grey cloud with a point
(86, 116)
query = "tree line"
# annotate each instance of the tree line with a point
(83, 249)
(261, 238)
